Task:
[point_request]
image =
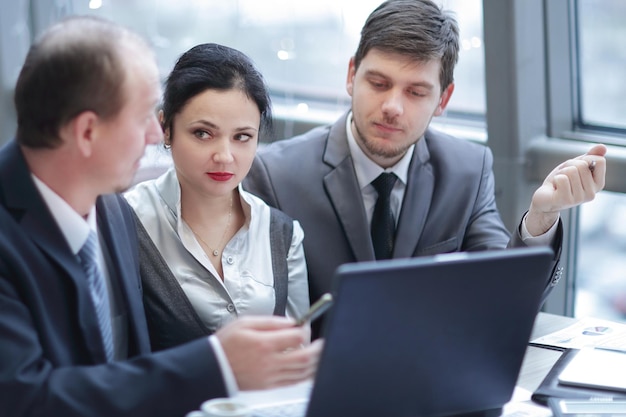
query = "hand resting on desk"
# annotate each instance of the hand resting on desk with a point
(268, 352)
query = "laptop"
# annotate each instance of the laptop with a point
(432, 336)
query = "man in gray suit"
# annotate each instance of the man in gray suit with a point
(443, 196)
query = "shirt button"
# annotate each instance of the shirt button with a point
(230, 260)
(230, 307)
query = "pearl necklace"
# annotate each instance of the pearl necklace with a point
(216, 252)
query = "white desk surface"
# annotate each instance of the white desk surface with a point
(538, 361)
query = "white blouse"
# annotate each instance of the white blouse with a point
(248, 286)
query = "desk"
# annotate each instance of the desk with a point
(538, 361)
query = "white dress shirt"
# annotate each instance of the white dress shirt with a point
(248, 284)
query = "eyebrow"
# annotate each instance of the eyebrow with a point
(214, 126)
(422, 84)
(204, 122)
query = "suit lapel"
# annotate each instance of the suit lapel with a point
(416, 202)
(124, 269)
(344, 192)
(39, 224)
(31, 212)
(345, 195)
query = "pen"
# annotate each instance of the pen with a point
(317, 309)
(609, 349)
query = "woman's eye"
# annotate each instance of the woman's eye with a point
(243, 137)
(201, 134)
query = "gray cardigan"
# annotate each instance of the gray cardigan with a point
(171, 318)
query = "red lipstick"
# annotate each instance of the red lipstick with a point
(220, 176)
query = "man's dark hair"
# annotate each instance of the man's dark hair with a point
(417, 29)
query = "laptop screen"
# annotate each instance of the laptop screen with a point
(429, 336)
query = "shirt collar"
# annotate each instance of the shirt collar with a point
(73, 226)
(169, 188)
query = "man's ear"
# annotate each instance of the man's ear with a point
(444, 99)
(350, 76)
(82, 131)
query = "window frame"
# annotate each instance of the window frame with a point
(530, 80)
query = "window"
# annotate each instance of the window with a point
(601, 266)
(538, 78)
(601, 34)
(600, 287)
(302, 47)
(587, 89)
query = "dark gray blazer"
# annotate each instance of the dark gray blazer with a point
(449, 204)
(51, 358)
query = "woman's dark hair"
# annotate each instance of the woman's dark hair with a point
(210, 66)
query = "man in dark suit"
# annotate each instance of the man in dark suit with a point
(73, 335)
(442, 196)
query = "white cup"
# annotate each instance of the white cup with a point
(225, 407)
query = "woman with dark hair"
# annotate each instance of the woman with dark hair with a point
(210, 251)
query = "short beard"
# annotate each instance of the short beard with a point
(396, 152)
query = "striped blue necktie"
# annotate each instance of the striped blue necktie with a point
(97, 286)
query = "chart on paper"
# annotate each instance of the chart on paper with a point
(587, 332)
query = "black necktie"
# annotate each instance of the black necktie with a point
(383, 225)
